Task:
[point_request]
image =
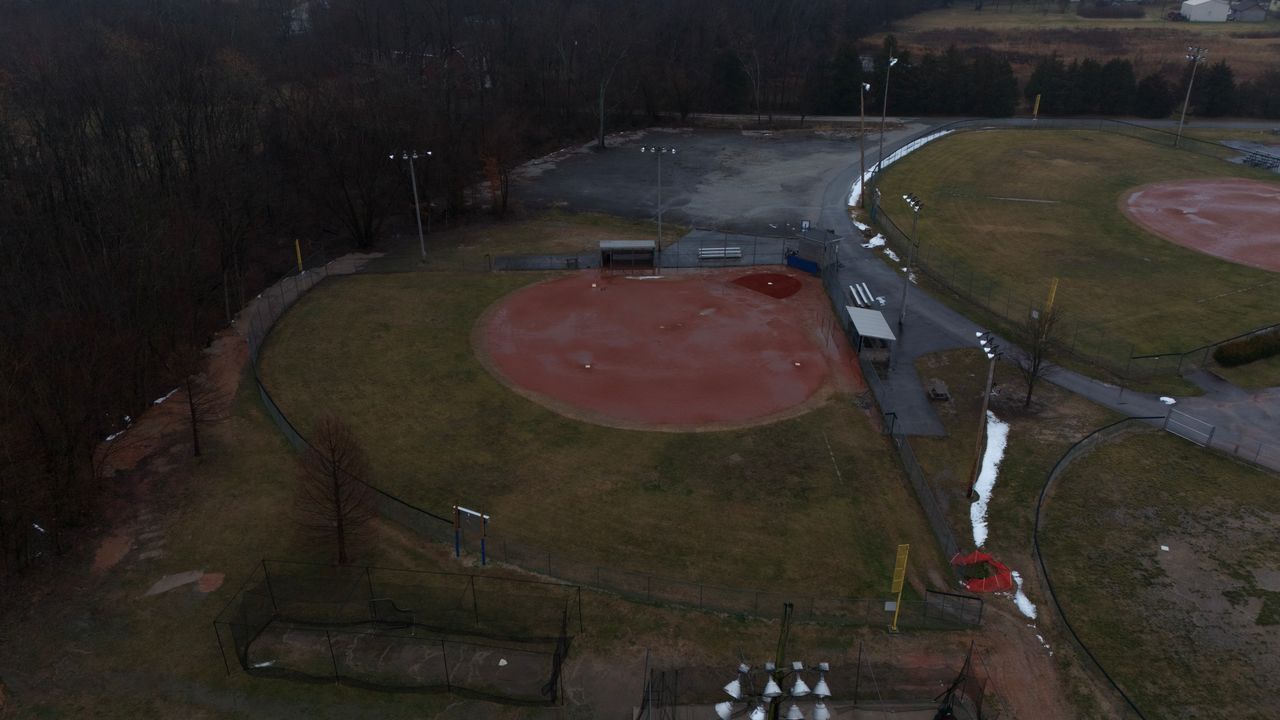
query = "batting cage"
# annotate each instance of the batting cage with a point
(479, 636)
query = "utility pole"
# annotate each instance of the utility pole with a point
(1195, 55)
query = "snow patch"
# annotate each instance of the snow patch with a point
(167, 395)
(1025, 606)
(855, 191)
(861, 226)
(1168, 400)
(875, 242)
(892, 255)
(997, 438)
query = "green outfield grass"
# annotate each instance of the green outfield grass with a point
(392, 354)
(1191, 631)
(1008, 210)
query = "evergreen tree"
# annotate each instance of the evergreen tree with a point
(1117, 88)
(995, 90)
(1049, 80)
(1155, 97)
(1216, 93)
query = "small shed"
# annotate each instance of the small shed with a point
(627, 253)
(870, 331)
(1249, 12)
(1206, 10)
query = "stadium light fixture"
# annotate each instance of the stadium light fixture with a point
(724, 710)
(659, 150)
(794, 713)
(862, 144)
(1195, 56)
(767, 701)
(916, 206)
(758, 713)
(409, 156)
(820, 712)
(884, 109)
(991, 349)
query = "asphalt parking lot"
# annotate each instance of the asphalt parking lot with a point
(756, 182)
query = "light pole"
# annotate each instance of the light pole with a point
(987, 341)
(742, 690)
(862, 144)
(884, 109)
(916, 205)
(1195, 55)
(659, 151)
(409, 156)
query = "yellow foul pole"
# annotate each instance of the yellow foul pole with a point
(899, 579)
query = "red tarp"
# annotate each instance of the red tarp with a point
(999, 581)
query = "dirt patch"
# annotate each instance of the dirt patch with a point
(111, 551)
(682, 353)
(775, 285)
(209, 582)
(1229, 218)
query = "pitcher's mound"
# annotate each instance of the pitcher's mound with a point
(1229, 218)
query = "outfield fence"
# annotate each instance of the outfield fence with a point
(1125, 704)
(1091, 344)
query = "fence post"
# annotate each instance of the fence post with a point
(475, 603)
(267, 576)
(221, 650)
(580, 626)
(444, 658)
(337, 679)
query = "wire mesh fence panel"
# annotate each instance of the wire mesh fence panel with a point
(293, 652)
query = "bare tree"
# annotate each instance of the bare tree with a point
(335, 503)
(1040, 330)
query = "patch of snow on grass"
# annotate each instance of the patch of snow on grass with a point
(1168, 400)
(861, 226)
(855, 190)
(166, 397)
(1025, 606)
(891, 255)
(997, 438)
(875, 242)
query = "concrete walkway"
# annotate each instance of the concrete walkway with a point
(1245, 423)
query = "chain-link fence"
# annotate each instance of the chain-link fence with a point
(1124, 703)
(405, 631)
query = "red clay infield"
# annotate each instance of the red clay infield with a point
(1230, 218)
(688, 352)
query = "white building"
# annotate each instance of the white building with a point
(1206, 10)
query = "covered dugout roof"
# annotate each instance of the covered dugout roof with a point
(627, 245)
(869, 323)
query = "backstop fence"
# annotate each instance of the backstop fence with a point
(1089, 344)
(936, 610)
(479, 636)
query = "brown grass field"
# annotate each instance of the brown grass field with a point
(1030, 30)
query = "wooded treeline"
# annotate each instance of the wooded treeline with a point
(159, 157)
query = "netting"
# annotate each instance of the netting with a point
(403, 631)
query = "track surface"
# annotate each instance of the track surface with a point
(687, 352)
(1229, 218)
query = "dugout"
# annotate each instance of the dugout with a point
(870, 330)
(627, 253)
